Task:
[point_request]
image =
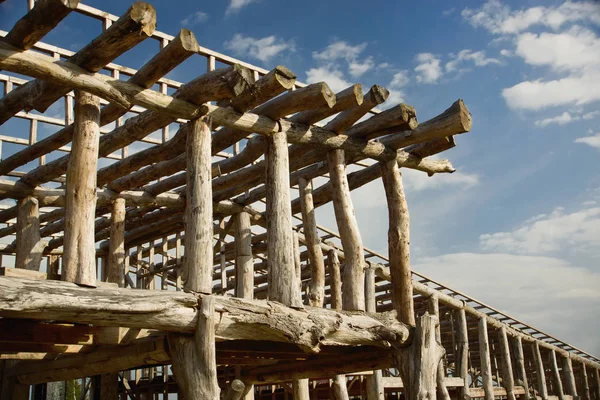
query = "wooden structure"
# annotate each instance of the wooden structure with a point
(163, 254)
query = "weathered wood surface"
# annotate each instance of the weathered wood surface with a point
(567, 367)
(556, 379)
(300, 389)
(484, 356)
(462, 352)
(235, 390)
(116, 250)
(507, 372)
(240, 319)
(333, 264)
(520, 363)
(244, 262)
(28, 244)
(540, 371)
(197, 270)
(79, 261)
(396, 119)
(340, 387)
(398, 242)
(374, 384)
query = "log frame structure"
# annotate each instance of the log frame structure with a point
(243, 303)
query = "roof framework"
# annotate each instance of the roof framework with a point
(181, 191)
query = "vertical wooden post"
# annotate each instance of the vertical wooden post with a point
(194, 359)
(244, 263)
(486, 365)
(586, 383)
(116, 244)
(462, 359)
(280, 248)
(315, 255)
(507, 372)
(300, 389)
(353, 289)
(340, 387)
(567, 367)
(520, 362)
(79, 263)
(539, 367)
(433, 306)
(29, 246)
(336, 279)
(556, 375)
(596, 374)
(375, 389)
(197, 268)
(398, 242)
(297, 260)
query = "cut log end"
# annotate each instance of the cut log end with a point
(464, 114)
(188, 40)
(328, 95)
(285, 77)
(145, 16)
(378, 94)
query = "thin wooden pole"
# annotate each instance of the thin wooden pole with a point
(484, 354)
(280, 248)
(336, 281)
(244, 263)
(29, 248)
(462, 359)
(116, 249)
(79, 264)
(567, 367)
(398, 242)
(507, 371)
(375, 389)
(353, 289)
(520, 362)
(596, 374)
(586, 383)
(313, 244)
(558, 387)
(539, 367)
(198, 262)
(433, 306)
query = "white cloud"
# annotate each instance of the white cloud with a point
(477, 57)
(237, 5)
(262, 49)
(498, 18)
(418, 181)
(506, 53)
(195, 18)
(396, 89)
(593, 140)
(358, 68)
(339, 50)
(557, 232)
(328, 74)
(590, 115)
(429, 69)
(562, 119)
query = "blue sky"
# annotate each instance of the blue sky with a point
(518, 226)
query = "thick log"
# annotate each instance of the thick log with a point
(244, 262)
(116, 250)
(28, 244)
(194, 358)
(433, 308)
(300, 389)
(180, 48)
(567, 367)
(40, 20)
(280, 257)
(79, 262)
(507, 371)
(235, 390)
(336, 279)
(484, 355)
(462, 353)
(398, 242)
(520, 363)
(418, 363)
(349, 97)
(557, 382)
(240, 319)
(353, 289)
(399, 118)
(539, 370)
(315, 254)
(134, 26)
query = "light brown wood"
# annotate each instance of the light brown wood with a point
(29, 247)
(539, 369)
(300, 389)
(315, 254)
(235, 390)
(280, 252)
(353, 274)
(557, 382)
(79, 264)
(244, 262)
(567, 367)
(433, 308)
(507, 371)
(462, 353)
(520, 364)
(374, 384)
(333, 264)
(340, 387)
(398, 242)
(197, 270)
(116, 250)
(396, 119)
(484, 355)
(586, 385)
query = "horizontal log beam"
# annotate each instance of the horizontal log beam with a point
(239, 319)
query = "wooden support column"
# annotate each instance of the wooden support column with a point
(586, 383)
(313, 244)
(79, 256)
(300, 389)
(340, 387)
(283, 286)
(194, 358)
(375, 389)
(244, 262)
(116, 249)
(398, 242)
(29, 247)
(462, 358)
(558, 387)
(198, 261)
(353, 288)
(539, 368)
(434, 309)
(520, 362)
(567, 367)
(596, 375)
(486, 365)
(507, 371)
(336, 280)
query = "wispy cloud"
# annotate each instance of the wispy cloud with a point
(478, 58)
(236, 5)
(593, 140)
(330, 75)
(561, 119)
(194, 19)
(262, 49)
(429, 69)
